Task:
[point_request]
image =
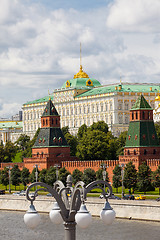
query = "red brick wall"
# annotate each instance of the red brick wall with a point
(95, 165)
(3, 165)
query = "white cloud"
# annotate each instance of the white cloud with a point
(39, 47)
(137, 15)
(8, 107)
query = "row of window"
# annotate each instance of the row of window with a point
(32, 115)
(87, 121)
(144, 152)
(31, 127)
(45, 122)
(145, 115)
(85, 109)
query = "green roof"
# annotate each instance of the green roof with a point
(142, 134)
(50, 137)
(11, 124)
(96, 89)
(81, 83)
(141, 103)
(40, 100)
(144, 88)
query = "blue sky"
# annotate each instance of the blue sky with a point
(40, 40)
(81, 4)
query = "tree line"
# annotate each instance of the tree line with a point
(142, 180)
(91, 143)
(48, 176)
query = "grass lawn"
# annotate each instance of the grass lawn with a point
(94, 193)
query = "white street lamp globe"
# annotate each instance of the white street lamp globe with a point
(107, 214)
(83, 218)
(55, 215)
(32, 218)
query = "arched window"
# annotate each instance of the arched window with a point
(134, 152)
(46, 121)
(128, 152)
(132, 115)
(43, 122)
(136, 115)
(145, 151)
(154, 151)
(101, 107)
(143, 114)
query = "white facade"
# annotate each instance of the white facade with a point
(111, 106)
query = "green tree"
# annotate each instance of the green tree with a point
(117, 177)
(112, 147)
(25, 177)
(63, 173)
(93, 146)
(51, 176)
(130, 176)
(144, 178)
(100, 125)
(42, 175)
(121, 141)
(156, 178)
(23, 142)
(28, 151)
(88, 176)
(81, 130)
(15, 176)
(4, 177)
(73, 142)
(76, 176)
(65, 130)
(10, 151)
(2, 153)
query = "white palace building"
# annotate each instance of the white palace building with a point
(83, 100)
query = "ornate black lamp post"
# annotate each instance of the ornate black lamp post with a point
(70, 205)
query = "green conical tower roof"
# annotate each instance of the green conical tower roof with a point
(50, 136)
(50, 109)
(142, 133)
(141, 103)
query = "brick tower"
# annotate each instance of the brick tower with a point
(51, 147)
(142, 143)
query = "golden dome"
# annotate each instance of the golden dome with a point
(157, 98)
(81, 74)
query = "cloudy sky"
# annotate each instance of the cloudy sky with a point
(40, 41)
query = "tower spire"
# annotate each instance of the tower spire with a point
(80, 55)
(81, 74)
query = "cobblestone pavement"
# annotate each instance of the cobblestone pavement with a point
(12, 227)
